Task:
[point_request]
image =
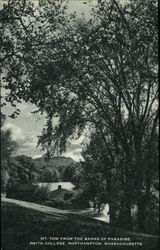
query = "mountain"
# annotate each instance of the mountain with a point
(55, 162)
(58, 168)
(55, 169)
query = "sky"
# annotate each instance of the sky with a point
(27, 126)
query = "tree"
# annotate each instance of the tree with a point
(49, 175)
(102, 74)
(68, 173)
(101, 171)
(8, 147)
(29, 32)
(4, 180)
(22, 170)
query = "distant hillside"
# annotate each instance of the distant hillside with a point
(57, 169)
(55, 162)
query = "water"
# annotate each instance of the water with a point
(54, 185)
(105, 214)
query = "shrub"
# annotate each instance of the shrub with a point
(41, 193)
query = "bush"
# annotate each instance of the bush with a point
(41, 193)
(61, 204)
(4, 180)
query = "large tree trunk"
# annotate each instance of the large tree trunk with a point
(111, 198)
(112, 213)
(125, 218)
(142, 203)
(139, 184)
(141, 215)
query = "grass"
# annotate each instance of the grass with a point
(21, 226)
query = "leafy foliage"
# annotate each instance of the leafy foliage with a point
(41, 193)
(8, 147)
(22, 170)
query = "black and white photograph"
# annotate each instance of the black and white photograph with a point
(79, 125)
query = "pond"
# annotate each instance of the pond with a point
(54, 185)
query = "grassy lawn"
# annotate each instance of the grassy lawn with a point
(20, 226)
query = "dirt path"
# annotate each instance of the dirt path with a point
(34, 206)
